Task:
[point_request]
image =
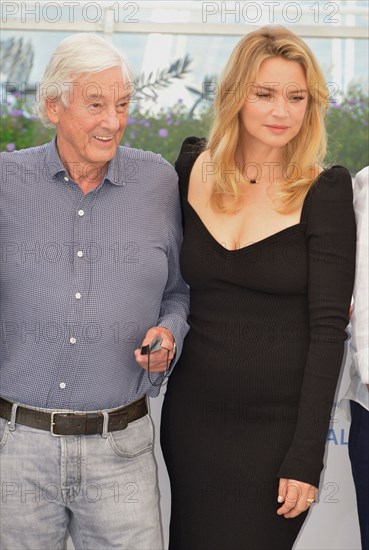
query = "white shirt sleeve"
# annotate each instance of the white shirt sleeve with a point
(360, 318)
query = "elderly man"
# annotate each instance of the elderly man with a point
(90, 235)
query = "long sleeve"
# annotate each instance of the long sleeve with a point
(331, 264)
(360, 316)
(175, 301)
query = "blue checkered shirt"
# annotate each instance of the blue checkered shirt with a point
(83, 277)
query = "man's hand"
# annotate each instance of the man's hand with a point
(294, 495)
(159, 360)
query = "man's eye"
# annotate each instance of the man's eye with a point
(122, 105)
(95, 105)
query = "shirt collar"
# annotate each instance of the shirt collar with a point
(113, 174)
(115, 170)
(53, 162)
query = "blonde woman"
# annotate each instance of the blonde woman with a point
(269, 254)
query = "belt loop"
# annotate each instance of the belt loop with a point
(105, 424)
(13, 415)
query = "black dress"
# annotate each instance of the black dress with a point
(249, 400)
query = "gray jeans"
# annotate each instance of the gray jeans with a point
(101, 489)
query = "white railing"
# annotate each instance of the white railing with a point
(308, 18)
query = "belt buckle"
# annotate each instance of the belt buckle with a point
(52, 423)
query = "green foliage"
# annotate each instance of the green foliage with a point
(146, 85)
(21, 129)
(348, 131)
(163, 132)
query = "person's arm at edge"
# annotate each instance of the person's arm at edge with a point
(360, 316)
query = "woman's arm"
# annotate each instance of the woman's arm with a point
(331, 247)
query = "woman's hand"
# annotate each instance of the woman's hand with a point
(296, 497)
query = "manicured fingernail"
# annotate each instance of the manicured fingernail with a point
(280, 498)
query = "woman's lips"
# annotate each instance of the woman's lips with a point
(276, 128)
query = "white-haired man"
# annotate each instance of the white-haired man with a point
(90, 235)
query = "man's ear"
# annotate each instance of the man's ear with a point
(52, 109)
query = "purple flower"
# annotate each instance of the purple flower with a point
(169, 120)
(10, 147)
(163, 132)
(147, 124)
(130, 120)
(16, 112)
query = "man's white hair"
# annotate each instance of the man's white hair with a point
(78, 54)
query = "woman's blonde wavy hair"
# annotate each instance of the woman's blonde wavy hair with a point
(302, 155)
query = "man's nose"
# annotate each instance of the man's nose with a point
(111, 119)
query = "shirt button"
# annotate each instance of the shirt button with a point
(79, 253)
(62, 385)
(72, 340)
(66, 178)
(81, 212)
(77, 295)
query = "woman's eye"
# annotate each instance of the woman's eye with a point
(296, 98)
(262, 95)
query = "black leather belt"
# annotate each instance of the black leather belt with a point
(75, 423)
